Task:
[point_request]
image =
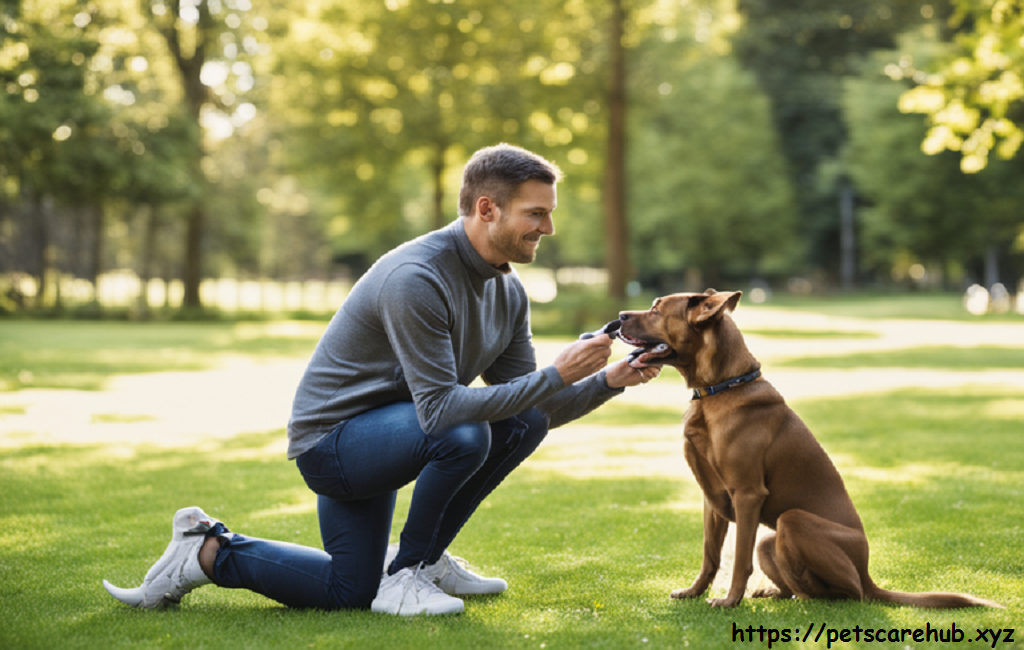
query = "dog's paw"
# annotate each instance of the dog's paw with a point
(771, 592)
(724, 602)
(680, 594)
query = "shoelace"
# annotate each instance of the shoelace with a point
(416, 584)
(457, 563)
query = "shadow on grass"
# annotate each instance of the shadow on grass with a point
(590, 562)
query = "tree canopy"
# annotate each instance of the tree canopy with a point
(186, 139)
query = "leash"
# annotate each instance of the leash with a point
(725, 385)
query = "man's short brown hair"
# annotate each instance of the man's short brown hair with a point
(497, 172)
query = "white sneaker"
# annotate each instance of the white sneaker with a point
(453, 575)
(408, 593)
(177, 572)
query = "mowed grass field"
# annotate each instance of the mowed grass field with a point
(937, 475)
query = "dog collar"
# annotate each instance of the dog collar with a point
(725, 385)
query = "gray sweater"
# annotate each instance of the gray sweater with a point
(421, 325)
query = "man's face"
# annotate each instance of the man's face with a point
(516, 233)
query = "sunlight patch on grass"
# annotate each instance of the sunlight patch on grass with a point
(12, 527)
(1005, 409)
(623, 414)
(937, 357)
(811, 334)
(117, 418)
(286, 509)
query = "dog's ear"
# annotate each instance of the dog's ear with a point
(716, 304)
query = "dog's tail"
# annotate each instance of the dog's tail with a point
(930, 600)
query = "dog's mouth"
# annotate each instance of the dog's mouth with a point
(647, 353)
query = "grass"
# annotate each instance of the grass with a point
(83, 354)
(810, 334)
(986, 357)
(937, 476)
(591, 561)
(912, 305)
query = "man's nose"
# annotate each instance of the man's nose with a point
(547, 226)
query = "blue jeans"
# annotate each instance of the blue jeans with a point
(356, 472)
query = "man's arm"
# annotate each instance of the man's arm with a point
(414, 312)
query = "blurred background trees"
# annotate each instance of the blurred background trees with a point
(705, 142)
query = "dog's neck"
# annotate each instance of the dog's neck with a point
(723, 356)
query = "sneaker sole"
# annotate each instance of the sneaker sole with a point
(396, 609)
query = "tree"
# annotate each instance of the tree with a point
(974, 101)
(799, 51)
(54, 136)
(202, 37)
(933, 214)
(708, 182)
(388, 98)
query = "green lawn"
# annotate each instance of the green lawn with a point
(83, 354)
(985, 357)
(938, 478)
(914, 305)
(938, 482)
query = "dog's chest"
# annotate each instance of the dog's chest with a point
(700, 455)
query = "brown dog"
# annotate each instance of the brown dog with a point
(758, 463)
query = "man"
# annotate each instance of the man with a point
(386, 400)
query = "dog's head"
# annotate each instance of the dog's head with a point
(678, 330)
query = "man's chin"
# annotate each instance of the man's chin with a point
(525, 258)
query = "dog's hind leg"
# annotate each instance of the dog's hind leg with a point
(715, 529)
(818, 558)
(770, 566)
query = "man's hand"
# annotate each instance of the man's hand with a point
(620, 374)
(583, 358)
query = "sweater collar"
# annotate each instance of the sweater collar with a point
(470, 256)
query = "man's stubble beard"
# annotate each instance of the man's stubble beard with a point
(510, 245)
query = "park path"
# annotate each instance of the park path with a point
(242, 395)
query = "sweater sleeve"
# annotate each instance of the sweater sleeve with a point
(575, 401)
(568, 404)
(414, 308)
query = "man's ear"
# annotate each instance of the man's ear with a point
(486, 208)
(716, 304)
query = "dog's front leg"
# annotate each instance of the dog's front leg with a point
(715, 528)
(747, 503)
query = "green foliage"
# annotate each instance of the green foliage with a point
(297, 140)
(799, 52)
(936, 213)
(709, 184)
(975, 100)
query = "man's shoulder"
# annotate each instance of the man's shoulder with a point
(426, 250)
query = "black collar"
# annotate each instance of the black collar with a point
(725, 385)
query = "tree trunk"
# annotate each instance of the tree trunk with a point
(847, 236)
(616, 234)
(190, 65)
(193, 274)
(42, 239)
(96, 254)
(147, 263)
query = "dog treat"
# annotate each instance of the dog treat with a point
(609, 329)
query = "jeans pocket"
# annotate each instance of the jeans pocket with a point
(321, 470)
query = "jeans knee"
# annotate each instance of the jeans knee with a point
(537, 424)
(470, 442)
